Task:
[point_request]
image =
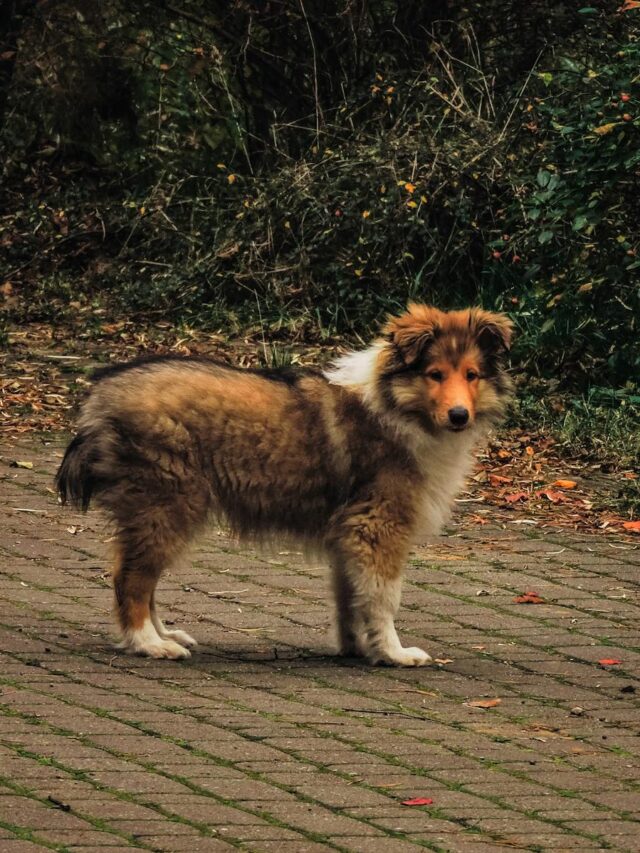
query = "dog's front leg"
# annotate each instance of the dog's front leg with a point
(368, 542)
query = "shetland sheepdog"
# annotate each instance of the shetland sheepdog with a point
(354, 461)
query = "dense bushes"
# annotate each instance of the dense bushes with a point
(312, 164)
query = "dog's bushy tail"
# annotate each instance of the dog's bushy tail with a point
(75, 481)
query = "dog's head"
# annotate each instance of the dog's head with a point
(445, 369)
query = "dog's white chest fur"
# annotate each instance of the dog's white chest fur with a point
(446, 461)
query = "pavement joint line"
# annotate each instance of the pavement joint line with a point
(551, 703)
(570, 546)
(221, 762)
(526, 670)
(497, 608)
(556, 580)
(204, 829)
(383, 674)
(125, 796)
(441, 617)
(97, 823)
(421, 772)
(23, 833)
(265, 815)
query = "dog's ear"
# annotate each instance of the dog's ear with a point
(493, 332)
(412, 333)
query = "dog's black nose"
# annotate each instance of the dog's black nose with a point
(458, 416)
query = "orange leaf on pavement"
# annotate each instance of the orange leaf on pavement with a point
(529, 598)
(565, 484)
(418, 801)
(633, 526)
(483, 703)
(609, 662)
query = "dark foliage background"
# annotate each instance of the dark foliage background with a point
(310, 164)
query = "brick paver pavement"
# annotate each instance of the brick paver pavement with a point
(265, 742)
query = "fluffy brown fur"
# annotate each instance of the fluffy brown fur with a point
(354, 461)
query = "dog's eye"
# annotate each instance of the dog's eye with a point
(471, 375)
(436, 375)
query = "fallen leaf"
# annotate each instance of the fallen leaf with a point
(565, 484)
(418, 801)
(514, 497)
(554, 497)
(479, 648)
(497, 479)
(529, 598)
(443, 660)
(633, 526)
(609, 662)
(19, 464)
(628, 5)
(483, 703)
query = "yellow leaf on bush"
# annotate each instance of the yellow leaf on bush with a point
(605, 128)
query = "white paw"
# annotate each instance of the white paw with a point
(181, 637)
(412, 656)
(147, 641)
(160, 649)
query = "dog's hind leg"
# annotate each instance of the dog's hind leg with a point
(145, 547)
(348, 623)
